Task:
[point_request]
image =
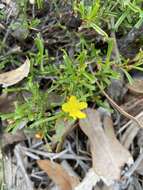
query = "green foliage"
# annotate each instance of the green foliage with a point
(33, 108)
(135, 64)
(2, 15)
(21, 23)
(34, 23)
(74, 77)
(40, 54)
(89, 14)
(40, 3)
(98, 14)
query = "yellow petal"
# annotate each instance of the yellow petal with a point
(73, 99)
(73, 114)
(65, 107)
(80, 115)
(82, 105)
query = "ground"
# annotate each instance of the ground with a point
(66, 67)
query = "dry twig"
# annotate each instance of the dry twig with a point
(123, 112)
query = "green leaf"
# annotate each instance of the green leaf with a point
(130, 79)
(120, 20)
(61, 127)
(98, 29)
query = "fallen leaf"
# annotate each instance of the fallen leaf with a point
(131, 131)
(62, 128)
(32, 2)
(13, 138)
(136, 87)
(58, 175)
(12, 77)
(108, 155)
(7, 1)
(10, 140)
(139, 169)
(89, 181)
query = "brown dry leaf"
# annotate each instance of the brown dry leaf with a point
(136, 87)
(9, 139)
(131, 131)
(12, 77)
(7, 102)
(7, 1)
(58, 175)
(108, 155)
(89, 181)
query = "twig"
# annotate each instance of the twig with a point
(134, 166)
(113, 103)
(78, 161)
(7, 33)
(31, 155)
(53, 156)
(138, 117)
(21, 165)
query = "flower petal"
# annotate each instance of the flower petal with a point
(73, 99)
(65, 107)
(82, 105)
(73, 114)
(80, 115)
(73, 107)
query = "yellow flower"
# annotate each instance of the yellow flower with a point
(73, 107)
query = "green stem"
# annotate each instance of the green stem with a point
(44, 120)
